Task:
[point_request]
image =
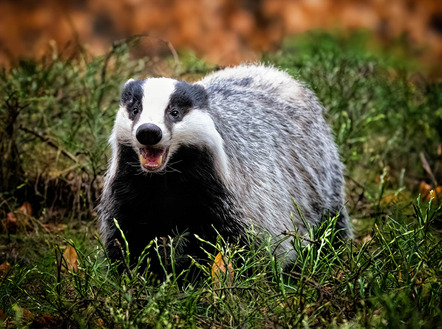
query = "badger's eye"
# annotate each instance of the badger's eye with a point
(174, 113)
(135, 110)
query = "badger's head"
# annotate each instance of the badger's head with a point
(157, 116)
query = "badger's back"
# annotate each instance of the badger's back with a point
(280, 148)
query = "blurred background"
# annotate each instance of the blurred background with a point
(375, 65)
(220, 31)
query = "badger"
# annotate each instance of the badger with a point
(233, 151)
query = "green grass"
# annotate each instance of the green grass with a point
(55, 118)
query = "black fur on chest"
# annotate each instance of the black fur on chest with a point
(187, 197)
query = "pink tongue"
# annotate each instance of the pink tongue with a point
(152, 155)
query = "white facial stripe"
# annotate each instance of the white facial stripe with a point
(197, 128)
(156, 97)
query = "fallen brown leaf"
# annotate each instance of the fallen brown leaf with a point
(27, 315)
(340, 275)
(425, 191)
(19, 219)
(71, 259)
(389, 199)
(220, 270)
(4, 268)
(9, 223)
(45, 321)
(26, 208)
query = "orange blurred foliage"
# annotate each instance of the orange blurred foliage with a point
(20, 218)
(224, 31)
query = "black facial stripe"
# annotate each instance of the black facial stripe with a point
(185, 97)
(131, 98)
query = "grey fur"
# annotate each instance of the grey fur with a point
(281, 147)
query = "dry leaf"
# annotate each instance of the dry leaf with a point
(45, 321)
(367, 238)
(26, 209)
(340, 275)
(219, 271)
(71, 258)
(27, 315)
(389, 199)
(424, 189)
(18, 219)
(4, 269)
(10, 223)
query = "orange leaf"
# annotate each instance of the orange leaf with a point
(437, 193)
(367, 238)
(4, 269)
(27, 315)
(424, 189)
(10, 222)
(389, 199)
(45, 321)
(71, 258)
(219, 270)
(26, 209)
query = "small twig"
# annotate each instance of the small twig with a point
(298, 276)
(48, 141)
(233, 288)
(174, 54)
(348, 177)
(427, 168)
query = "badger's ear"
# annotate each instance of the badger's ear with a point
(127, 82)
(131, 91)
(123, 86)
(199, 93)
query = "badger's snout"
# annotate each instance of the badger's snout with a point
(149, 134)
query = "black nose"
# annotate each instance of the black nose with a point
(149, 134)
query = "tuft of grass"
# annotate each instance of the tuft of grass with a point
(393, 279)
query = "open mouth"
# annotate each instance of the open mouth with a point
(153, 159)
